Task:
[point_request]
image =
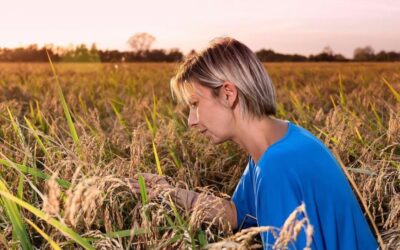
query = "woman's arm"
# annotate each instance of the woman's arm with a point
(210, 208)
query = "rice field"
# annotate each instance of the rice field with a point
(72, 136)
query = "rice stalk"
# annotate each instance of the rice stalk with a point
(67, 113)
(158, 164)
(32, 171)
(55, 223)
(35, 134)
(44, 235)
(394, 92)
(341, 92)
(19, 229)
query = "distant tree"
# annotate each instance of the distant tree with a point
(393, 56)
(30, 53)
(382, 56)
(364, 54)
(340, 58)
(82, 54)
(94, 53)
(389, 56)
(157, 55)
(154, 55)
(174, 55)
(271, 56)
(191, 53)
(327, 50)
(112, 56)
(141, 42)
(267, 55)
(327, 55)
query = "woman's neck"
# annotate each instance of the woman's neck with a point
(256, 135)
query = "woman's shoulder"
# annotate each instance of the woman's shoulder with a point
(299, 150)
(297, 141)
(302, 136)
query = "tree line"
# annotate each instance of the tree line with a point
(83, 53)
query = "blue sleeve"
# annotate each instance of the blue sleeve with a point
(275, 206)
(243, 198)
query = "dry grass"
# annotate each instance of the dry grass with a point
(284, 236)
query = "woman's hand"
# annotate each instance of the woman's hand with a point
(188, 200)
(154, 183)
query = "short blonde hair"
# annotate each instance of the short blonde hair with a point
(226, 59)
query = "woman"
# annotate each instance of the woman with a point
(231, 97)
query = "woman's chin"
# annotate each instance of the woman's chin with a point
(216, 140)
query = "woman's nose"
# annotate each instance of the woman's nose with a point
(192, 119)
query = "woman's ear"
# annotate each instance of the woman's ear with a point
(229, 93)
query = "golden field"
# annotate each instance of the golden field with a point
(71, 139)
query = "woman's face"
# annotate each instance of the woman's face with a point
(212, 116)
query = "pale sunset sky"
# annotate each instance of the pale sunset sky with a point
(285, 26)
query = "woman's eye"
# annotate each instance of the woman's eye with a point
(193, 104)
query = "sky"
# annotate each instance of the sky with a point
(285, 26)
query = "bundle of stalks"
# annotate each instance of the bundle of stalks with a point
(284, 237)
(108, 204)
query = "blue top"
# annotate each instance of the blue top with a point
(300, 168)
